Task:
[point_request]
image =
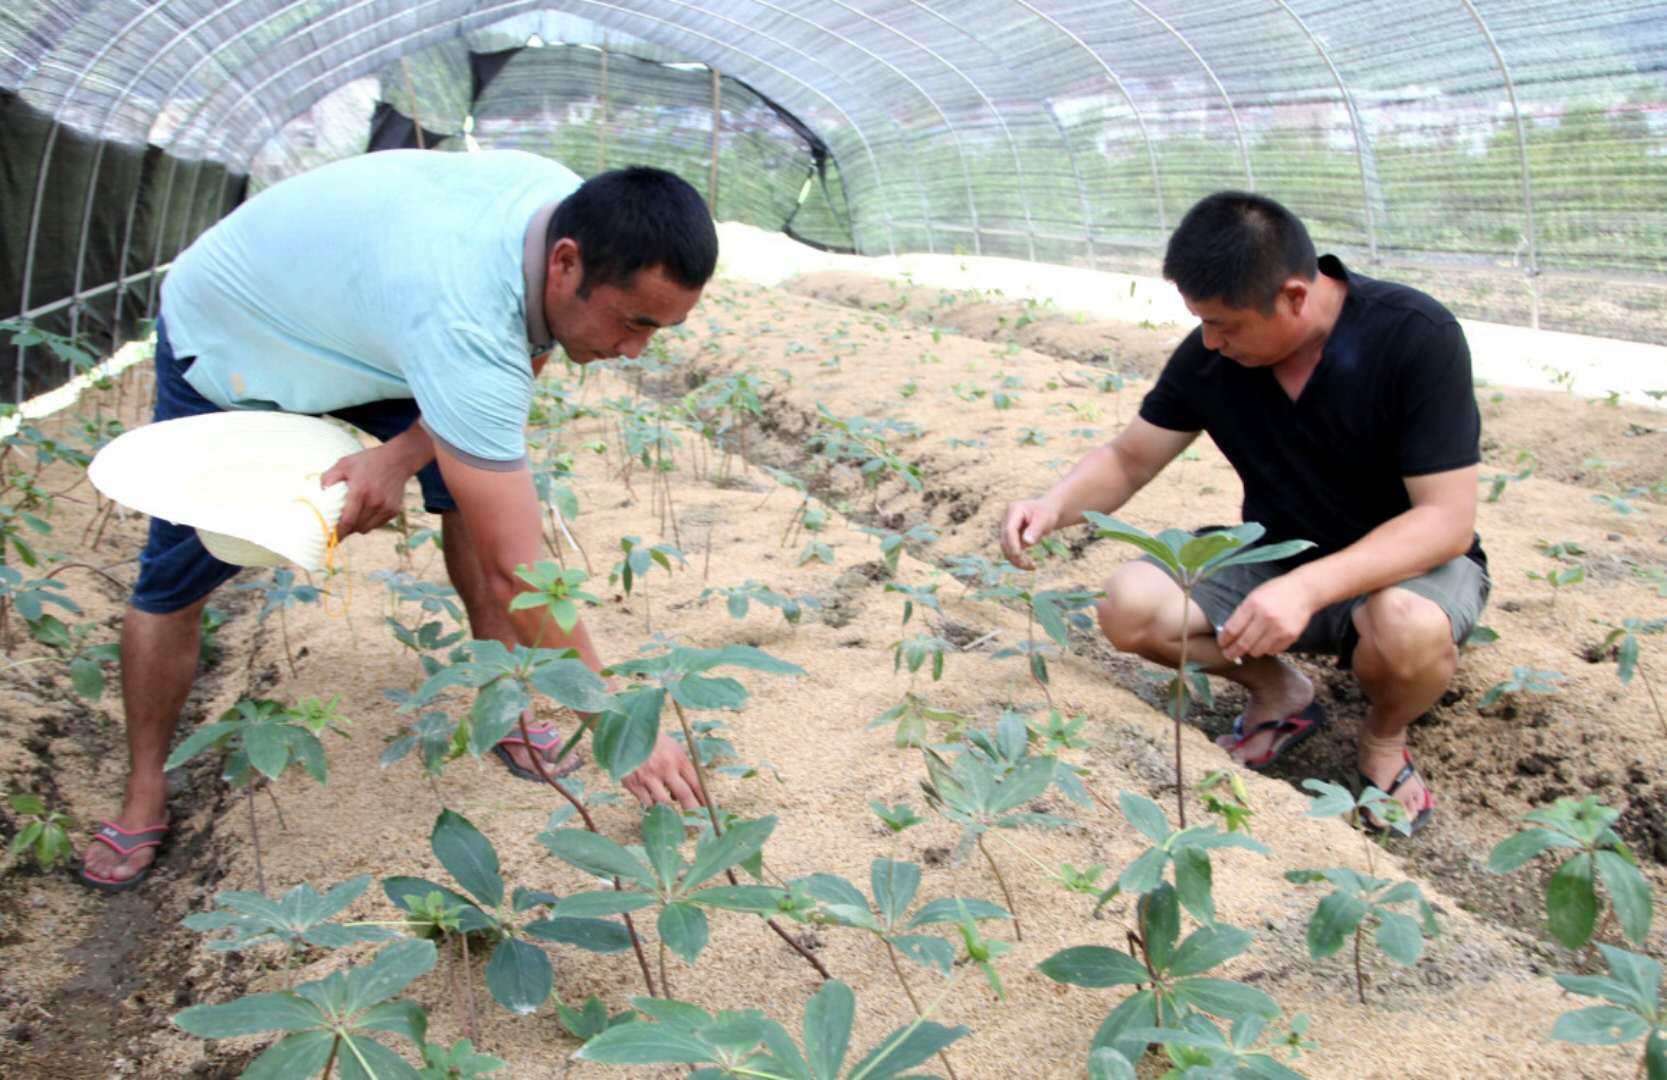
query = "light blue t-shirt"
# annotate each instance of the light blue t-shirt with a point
(390, 275)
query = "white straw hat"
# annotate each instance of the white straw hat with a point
(247, 481)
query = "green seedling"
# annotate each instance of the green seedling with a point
(85, 662)
(717, 754)
(911, 715)
(1622, 504)
(561, 504)
(29, 599)
(1498, 482)
(1006, 747)
(1055, 610)
(262, 738)
(924, 595)
(518, 974)
(422, 637)
(746, 1044)
(1480, 636)
(908, 389)
(1583, 831)
(208, 641)
(556, 591)
(1171, 971)
(638, 559)
(914, 652)
(896, 818)
(459, 1062)
(816, 551)
(893, 543)
(977, 570)
(435, 738)
(1635, 1010)
(1556, 579)
(894, 886)
(1183, 852)
(45, 838)
(1523, 680)
(301, 918)
(12, 523)
(861, 443)
(1190, 560)
(330, 1020)
(1224, 795)
(1198, 1048)
(281, 594)
(1057, 733)
(740, 598)
(979, 796)
(1623, 638)
(1654, 575)
(660, 877)
(1032, 436)
(1085, 881)
(592, 1019)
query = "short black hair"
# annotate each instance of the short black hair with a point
(1238, 248)
(634, 218)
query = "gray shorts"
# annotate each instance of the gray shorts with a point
(1458, 587)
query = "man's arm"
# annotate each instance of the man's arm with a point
(376, 479)
(500, 510)
(1102, 481)
(1440, 526)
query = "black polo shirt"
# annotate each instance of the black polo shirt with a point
(1391, 398)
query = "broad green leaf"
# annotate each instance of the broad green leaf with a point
(932, 952)
(624, 737)
(1206, 948)
(1145, 873)
(1629, 893)
(1227, 999)
(569, 682)
(1571, 902)
(468, 857)
(715, 854)
(743, 656)
(592, 935)
(597, 855)
(1655, 1056)
(1331, 801)
(497, 710)
(1193, 880)
(389, 972)
(894, 884)
(1138, 1010)
(301, 1054)
(956, 909)
(363, 1058)
(642, 1043)
(1265, 553)
(1196, 553)
(1399, 937)
(87, 678)
(405, 1018)
(1639, 973)
(267, 748)
(471, 919)
(702, 692)
(1517, 849)
(1023, 784)
(600, 904)
(1109, 528)
(828, 1017)
(1600, 1025)
(1107, 1064)
(1159, 912)
(248, 1015)
(662, 834)
(1094, 966)
(904, 1049)
(756, 899)
(1145, 815)
(684, 929)
(1332, 922)
(518, 976)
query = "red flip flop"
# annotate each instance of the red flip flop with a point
(124, 842)
(1408, 771)
(1299, 726)
(543, 737)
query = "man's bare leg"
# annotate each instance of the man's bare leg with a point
(1405, 659)
(487, 620)
(1141, 614)
(159, 663)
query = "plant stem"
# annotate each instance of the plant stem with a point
(1654, 701)
(1018, 931)
(914, 1001)
(712, 814)
(283, 625)
(665, 983)
(903, 1036)
(1359, 972)
(468, 987)
(1180, 701)
(464, 1020)
(1030, 637)
(330, 1062)
(537, 760)
(254, 834)
(706, 561)
(273, 795)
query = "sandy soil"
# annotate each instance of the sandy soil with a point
(91, 980)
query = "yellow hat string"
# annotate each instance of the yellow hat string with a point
(331, 543)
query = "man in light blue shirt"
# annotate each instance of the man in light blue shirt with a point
(415, 295)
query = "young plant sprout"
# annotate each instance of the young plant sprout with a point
(1635, 1011)
(638, 560)
(46, 838)
(1523, 680)
(299, 919)
(1584, 829)
(85, 662)
(1623, 638)
(895, 818)
(1498, 482)
(911, 715)
(740, 598)
(1224, 795)
(1190, 560)
(892, 544)
(1555, 579)
(281, 594)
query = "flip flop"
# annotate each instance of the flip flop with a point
(124, 843)
(1408, 771)
(1301, 725)
(543, 738)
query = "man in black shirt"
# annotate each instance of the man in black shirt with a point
(1346, 406)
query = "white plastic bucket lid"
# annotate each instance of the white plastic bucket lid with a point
(247, 481)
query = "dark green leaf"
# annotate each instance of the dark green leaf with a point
(756, 899)
(715, 854)
(1332, 922)
(1517, 849)
(363, 1058)
(683, 928)
(1094, 966)
(389, 972)
(597, 855)
(301, 1054)
(828, 1017)
(1571, 902)
(593, 935)
(624, 737)
(1206, 948)
(662, 834)
(468, 857)
(642, 1043)
(497, 710)
(904, 1049)
(570, 683)
(471, 919)
(1226, 999)
(955, 910)
(600, 904)
(1159, 912)
(267, 747)
(1145, 873)
(932, 952)
(1399, 937)
(518, 976)
(1139, 1010)
(249, 1015)
(1600, 1025)
(894, 885)
(1629, 893)
(1107, 1064)
(1193, 880)
(405, 1018)
(703, 692)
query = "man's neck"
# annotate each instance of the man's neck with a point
(533, 269)
(1325, 298)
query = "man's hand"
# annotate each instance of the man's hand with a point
(1269, 620)
(375, 487)
(1027, 521)
(668, 776)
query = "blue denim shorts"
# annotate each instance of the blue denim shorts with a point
(175, 570)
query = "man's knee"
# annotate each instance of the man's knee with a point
(1141, 605)
(1403, 635)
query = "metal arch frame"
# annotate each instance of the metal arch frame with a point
(1533, 267)
(1140, 119)
(1226, 98)
(1354, 123)
(484, 15)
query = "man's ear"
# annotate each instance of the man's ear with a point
(564, 272)
(1296, 293)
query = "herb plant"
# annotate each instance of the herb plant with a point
(301, 917)
(46, 838)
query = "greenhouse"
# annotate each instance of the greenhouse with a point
(820, 583)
